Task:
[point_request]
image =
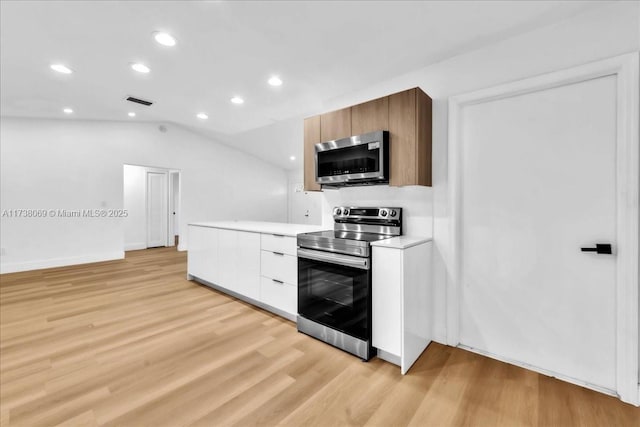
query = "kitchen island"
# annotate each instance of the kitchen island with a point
(250, 260)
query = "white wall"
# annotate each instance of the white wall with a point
(305, 207)
(134, 201)
(415, 201)
(72, 164)
(603, 32)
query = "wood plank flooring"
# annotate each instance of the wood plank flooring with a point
(133, 343)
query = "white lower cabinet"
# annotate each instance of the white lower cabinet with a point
(279, 294)
(227, 259)
(279, 283)
(401, 297)
(248, 265)
(235, 261)
(279, 266)
(279, 243)
(203, 252)
(386, 300)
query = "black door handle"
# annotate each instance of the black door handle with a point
(601, 248)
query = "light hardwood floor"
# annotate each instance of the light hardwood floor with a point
(133, 343)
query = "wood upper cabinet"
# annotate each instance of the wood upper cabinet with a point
(311, 138)
(335, 125)
(407, 117)
(410, 136)
(326, 127)
(370, 116)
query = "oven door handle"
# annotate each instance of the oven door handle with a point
(345, 260)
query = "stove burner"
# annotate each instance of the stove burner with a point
(354, 229)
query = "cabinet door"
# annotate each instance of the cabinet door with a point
(279, 266)
(279, 294)
(311, 137)
(279, 243)
(417, 294)
(370, 116)
(202, 256)
(424, 137)
(402, 134)
(386, 299)
(248, 263)
(335, 125)
(227, 258)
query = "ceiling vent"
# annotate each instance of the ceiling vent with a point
(139, 101)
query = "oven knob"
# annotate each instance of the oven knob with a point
(346, 212)
(338, 211)
(383, 213)
(393, 213)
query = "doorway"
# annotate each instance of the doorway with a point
(152, 201)
(543, 172)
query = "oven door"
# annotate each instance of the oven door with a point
(334, 290)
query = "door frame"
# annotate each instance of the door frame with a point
(176, 207)
(625, 68)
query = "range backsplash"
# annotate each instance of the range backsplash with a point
(416, 201)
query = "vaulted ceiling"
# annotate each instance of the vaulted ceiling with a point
(320, 49)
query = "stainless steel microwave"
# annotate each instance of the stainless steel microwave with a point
(357, 160)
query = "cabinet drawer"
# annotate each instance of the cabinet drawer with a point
(276, 265)
(280, 295)
(278, 243)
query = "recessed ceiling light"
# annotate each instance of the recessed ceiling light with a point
(141, 68)
(292, 158)
(132, 114)
(164, 38)
(237, 100)
(61, 68)
(275, 81)
(202, 116)
(68, 110)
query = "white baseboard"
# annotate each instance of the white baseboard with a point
(59, 262)
(182, 247)
(541, 371)
(440, 339)
(134, 246)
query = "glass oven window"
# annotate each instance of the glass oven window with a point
(335, 296)
(331, 286)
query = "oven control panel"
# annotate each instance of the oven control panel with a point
(359, 214)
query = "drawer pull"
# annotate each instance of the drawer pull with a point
(278, 253)
(278, 235)
(280, 282)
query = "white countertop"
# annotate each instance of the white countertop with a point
(262, 227)
(402, 242)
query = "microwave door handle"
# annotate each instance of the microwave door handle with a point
(344, 260)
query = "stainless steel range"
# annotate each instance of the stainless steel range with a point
(334, 277)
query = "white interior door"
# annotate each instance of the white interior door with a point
(157, 202)
(539, 180)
